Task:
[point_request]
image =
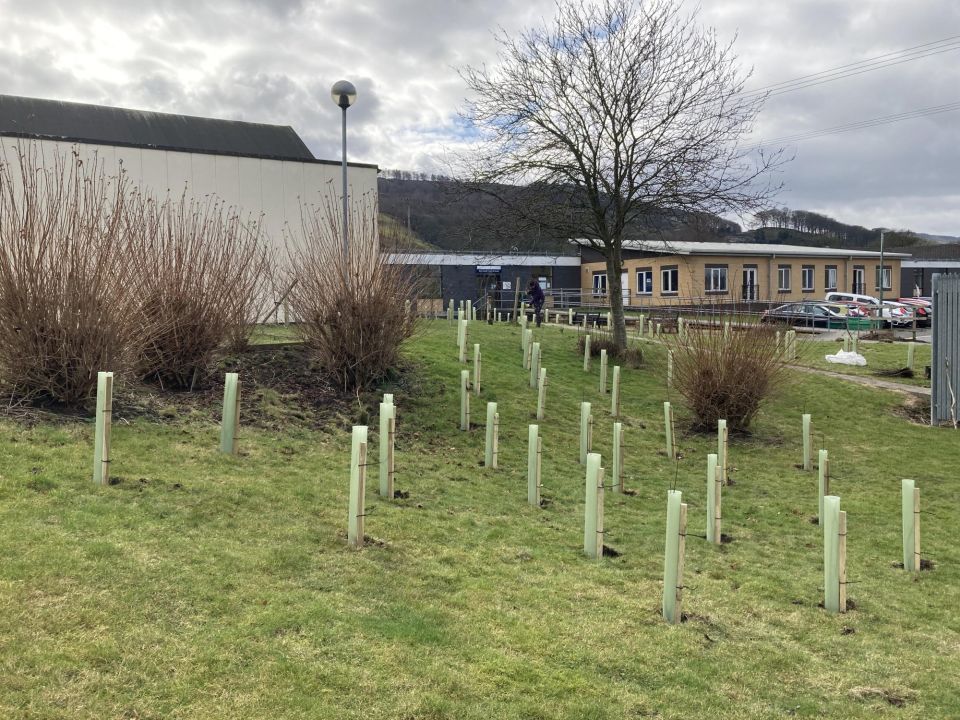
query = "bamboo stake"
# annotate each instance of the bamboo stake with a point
(358, 475)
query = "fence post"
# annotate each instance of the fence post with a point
(230, 415)
(823, 482)
(593, 511)
(586, 353)
(807, 442)
(910, 511)
(534, 450)
(586, 431)
(358, 476)
(615, 393)
(673, 556)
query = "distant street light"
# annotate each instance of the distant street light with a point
(344, 94)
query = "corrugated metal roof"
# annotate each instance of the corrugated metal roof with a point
(102, 125)
(666, 247)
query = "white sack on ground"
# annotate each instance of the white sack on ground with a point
(847, 358)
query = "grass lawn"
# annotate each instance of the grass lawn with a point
(209, 586)
(880, 356)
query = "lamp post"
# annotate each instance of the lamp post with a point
(344, 94)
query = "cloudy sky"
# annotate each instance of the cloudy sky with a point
(275, 62)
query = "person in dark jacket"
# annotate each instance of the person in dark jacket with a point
(535, 293)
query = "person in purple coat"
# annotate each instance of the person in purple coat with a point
(535, 293)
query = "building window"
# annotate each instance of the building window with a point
(806, 278)
(669, 280)
(599, 283)
(715, 279)
(783, 278)
(645, 281)
(887, 277)
(830, 278)
(859, 285)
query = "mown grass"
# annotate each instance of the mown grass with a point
(207, 586)
(880, 357)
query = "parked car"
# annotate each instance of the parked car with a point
(814, 315)
(893, 314)
(922, 308)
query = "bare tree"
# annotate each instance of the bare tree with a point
(611, 116)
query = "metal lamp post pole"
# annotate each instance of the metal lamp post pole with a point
(346, 205)
(880, 283)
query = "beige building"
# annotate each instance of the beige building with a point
(663, 273)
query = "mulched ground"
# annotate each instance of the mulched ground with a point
(280, 387)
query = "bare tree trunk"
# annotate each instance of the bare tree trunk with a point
(615, 294)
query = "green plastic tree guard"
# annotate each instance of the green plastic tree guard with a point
(464, 400)
(386, 440)
(777, 344)
(527, 349)
(593, 511)
(668, 429)
(713, 499)
(231, 414)
(534, 454)
(570, 316)
(617, 484)
(450, 317)
(535, 365)
(856, 344)
(542, 394)
(358, 475)
(669, 368)
(586, 431)
(831, 553)
(723, 445)
(615, 392)
(673, 556)
(681, 329)
(911, 354)
(910, 510)
(101, 421)
(586, 353)
(603, 371)
(476, 369)
(493, 431)
(807, 442)
(823, 481)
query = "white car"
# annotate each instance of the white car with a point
(893, 312)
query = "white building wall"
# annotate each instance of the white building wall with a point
(274, 189)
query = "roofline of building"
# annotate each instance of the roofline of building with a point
(196, 151)
(733, 249)
(478, 259)
(930, 263)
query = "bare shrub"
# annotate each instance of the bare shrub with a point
(67, 306)
(630, 356)
(201, 272)
(726, 377)
(351, 310)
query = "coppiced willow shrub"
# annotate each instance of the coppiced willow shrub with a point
(350, 310)
(726, 377)
(68, 307)
(201, 275)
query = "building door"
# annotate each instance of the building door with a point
(625, 287)
(859, 286)
(749, 284)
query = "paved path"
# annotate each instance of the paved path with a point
(867, 380)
